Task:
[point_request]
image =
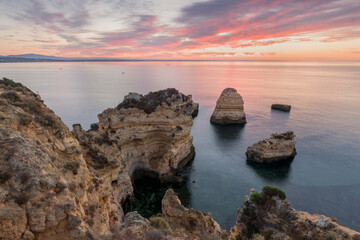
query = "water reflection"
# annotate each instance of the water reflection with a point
(227, 133)
(275, 173)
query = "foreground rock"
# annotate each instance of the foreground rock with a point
(175, 222)
(270, 215)
(229, 108)
(281, 107)
(279, 147)
(149, 132)
(51, 187)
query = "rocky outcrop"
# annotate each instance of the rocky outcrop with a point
(279, 147)
(194, 222)
(229, 108)
(175, 222)
(149, 132)
(270, 215)
(281, 107)
(44, 181)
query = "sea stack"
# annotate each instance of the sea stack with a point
(279, 147)
(229, 108)
(281, 107)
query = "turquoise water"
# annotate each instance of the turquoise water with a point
(325, 97)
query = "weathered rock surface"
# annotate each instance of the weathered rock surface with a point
(281, 107)
(279, 147)
(229, 108)
(271, 215)
(143, 132)
(194, 222)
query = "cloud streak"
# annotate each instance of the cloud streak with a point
(205, 29)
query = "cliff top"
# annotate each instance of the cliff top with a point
(152, 100)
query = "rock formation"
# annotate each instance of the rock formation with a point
(281, 107)
(229, 108)
(51, 187)
(279, 147)
(149, 132)
(270, 215)
(175, 222)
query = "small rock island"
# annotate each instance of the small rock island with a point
(281, 107)
(229, 108)
(279, 147)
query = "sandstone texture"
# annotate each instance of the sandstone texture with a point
(149, 132)
(281, 107)
(229, 108)
(52, 187)
(279, 147)
(269, 215)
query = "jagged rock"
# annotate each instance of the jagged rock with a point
(279, 147)
(274, 217)
(281, 107)
(143, 132)
(46, 188)
(191, 220)
(229, 108)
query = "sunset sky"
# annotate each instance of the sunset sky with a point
(183, 29)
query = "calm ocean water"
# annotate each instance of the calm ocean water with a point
(325, 97)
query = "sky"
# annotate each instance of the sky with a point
(183, 29)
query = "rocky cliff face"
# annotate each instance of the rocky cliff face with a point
(270, 215)
(279, 147)
(229, 108)
(150, 132)
(44, 180)
(51, 187)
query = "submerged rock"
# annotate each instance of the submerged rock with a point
(281, 107)
(229, 108)
(279, 147)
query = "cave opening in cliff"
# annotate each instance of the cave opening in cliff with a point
(149, 191)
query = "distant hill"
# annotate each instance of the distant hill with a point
(33, 56)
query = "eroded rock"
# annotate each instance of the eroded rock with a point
(279, 147)
(229, 108)
(281, 107)
(191, 220)
(143, 132)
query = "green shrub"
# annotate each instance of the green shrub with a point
(255, 197)
(269, 191)
(11, 96)
(160, 223)
(10, 83)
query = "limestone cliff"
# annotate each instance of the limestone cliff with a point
(229, 108)
(150, 132)
(44, 179)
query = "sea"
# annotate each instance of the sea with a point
(323, 178)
